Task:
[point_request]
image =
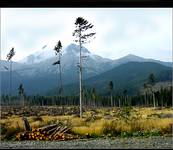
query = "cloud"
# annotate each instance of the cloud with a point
(145, 32)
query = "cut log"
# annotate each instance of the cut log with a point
(62, 129)
(58, 128)
(58, 133)
(51, 131)
(47, 128)
(65, 130)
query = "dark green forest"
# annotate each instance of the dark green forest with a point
(92, 99)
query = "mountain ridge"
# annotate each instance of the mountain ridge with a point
(130, 76)
(37, 74)
(48, 52)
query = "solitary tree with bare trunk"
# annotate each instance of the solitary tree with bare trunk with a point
(9, 59)
(58, 49)
(82, 37)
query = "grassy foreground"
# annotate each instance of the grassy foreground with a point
(123, 122)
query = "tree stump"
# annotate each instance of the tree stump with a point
(26, 124)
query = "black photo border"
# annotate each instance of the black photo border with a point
(86, 3)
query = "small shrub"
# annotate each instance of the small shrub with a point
(3, 129)
(154, 116)
(36, 118)
(169, 115)
(11, 132)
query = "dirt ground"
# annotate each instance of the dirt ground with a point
(108, 143)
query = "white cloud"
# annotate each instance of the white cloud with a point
(145, 32)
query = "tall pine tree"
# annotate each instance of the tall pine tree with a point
(82, 37)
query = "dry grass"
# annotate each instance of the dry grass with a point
(141, 122)
(102, 126)
(160, 124)
(90, 128)
(99, 126)
(12, 122)
(149, 111)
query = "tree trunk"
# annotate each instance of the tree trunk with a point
(80, 77)
(61, 88)
(154, 102)
(26, 124)
(23, 100)
(111, 100)
(41, 101)
(162, 101)
(119, 102)
(10, 79)
(145, 96)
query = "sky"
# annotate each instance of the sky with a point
(145, 32)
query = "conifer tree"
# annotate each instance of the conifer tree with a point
(82, 37)
(9, 59)
(58, 49)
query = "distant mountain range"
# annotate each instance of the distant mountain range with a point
(39, 76)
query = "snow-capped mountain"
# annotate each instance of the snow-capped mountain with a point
(47, 52)
(74, 49)
(41, 62)
(44, 53)
(37, 71)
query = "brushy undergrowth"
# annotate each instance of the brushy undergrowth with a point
(121, 128)
(124, 122)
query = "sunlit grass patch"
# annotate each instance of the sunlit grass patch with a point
(163, 125)
(11, 126)
(76, 121)
(12, 122)
(101, 127)
(101, 122)
(36, 124)
(150, 110)
(92, 129)
(35, 118)
(113, 127)
(49, 119)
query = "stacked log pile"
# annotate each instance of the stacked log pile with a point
(47, 133)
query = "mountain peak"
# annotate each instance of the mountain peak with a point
(73, 48)
(47, 52)
(40, 55)
(132, 57)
